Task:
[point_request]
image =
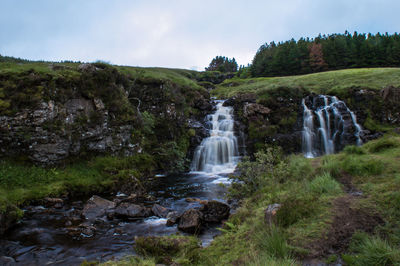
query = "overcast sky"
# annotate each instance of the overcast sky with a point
(177, 33)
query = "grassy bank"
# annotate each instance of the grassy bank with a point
(372, 78)
(21, 182)
(343, 207)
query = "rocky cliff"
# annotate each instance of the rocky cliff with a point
(64, 112)
(275, 116)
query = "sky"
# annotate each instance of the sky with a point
(177, 33)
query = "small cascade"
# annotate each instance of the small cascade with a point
(219, 152)
(328, 125)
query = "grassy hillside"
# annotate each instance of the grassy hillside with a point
(179, 76)
(372, 78)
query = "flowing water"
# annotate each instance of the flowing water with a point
(41, 237)
(328, 125)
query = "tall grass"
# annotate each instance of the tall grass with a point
(372, 250)
(325, 184)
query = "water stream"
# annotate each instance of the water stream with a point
(41, 237)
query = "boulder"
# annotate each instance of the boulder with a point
(173, 218)
(270, 213)
(159, 211)
(130, 210)
(96, 207)
(214, 211)
(190, 221)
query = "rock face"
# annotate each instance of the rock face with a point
(97, 110)
(56, 131)
(276, 116)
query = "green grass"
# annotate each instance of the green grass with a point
(372, 250)
(325, 82)
(21, 183)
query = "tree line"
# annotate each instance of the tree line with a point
(327, 52)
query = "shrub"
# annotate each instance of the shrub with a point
(269, 167)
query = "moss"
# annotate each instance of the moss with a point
(22, 182)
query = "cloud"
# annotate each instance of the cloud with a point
(176, 33)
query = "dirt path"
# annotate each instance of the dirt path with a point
(348, 218)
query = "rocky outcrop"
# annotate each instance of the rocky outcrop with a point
(56, 131)
(275, 117)
(97, 109)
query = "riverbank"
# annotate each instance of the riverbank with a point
(341, 208)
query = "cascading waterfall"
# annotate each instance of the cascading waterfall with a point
(219, 152)
(328, 125)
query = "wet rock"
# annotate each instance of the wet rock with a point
(173, 218)
(159, 211)
(270, 213)
(190, 221)
(129, 210)
(96, 207)
(7, 261)
(54, 202)
(88, 230)
(214, 211)
(81, 231)
(196, 200)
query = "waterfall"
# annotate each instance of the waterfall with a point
(328, 125)
(219, 152)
